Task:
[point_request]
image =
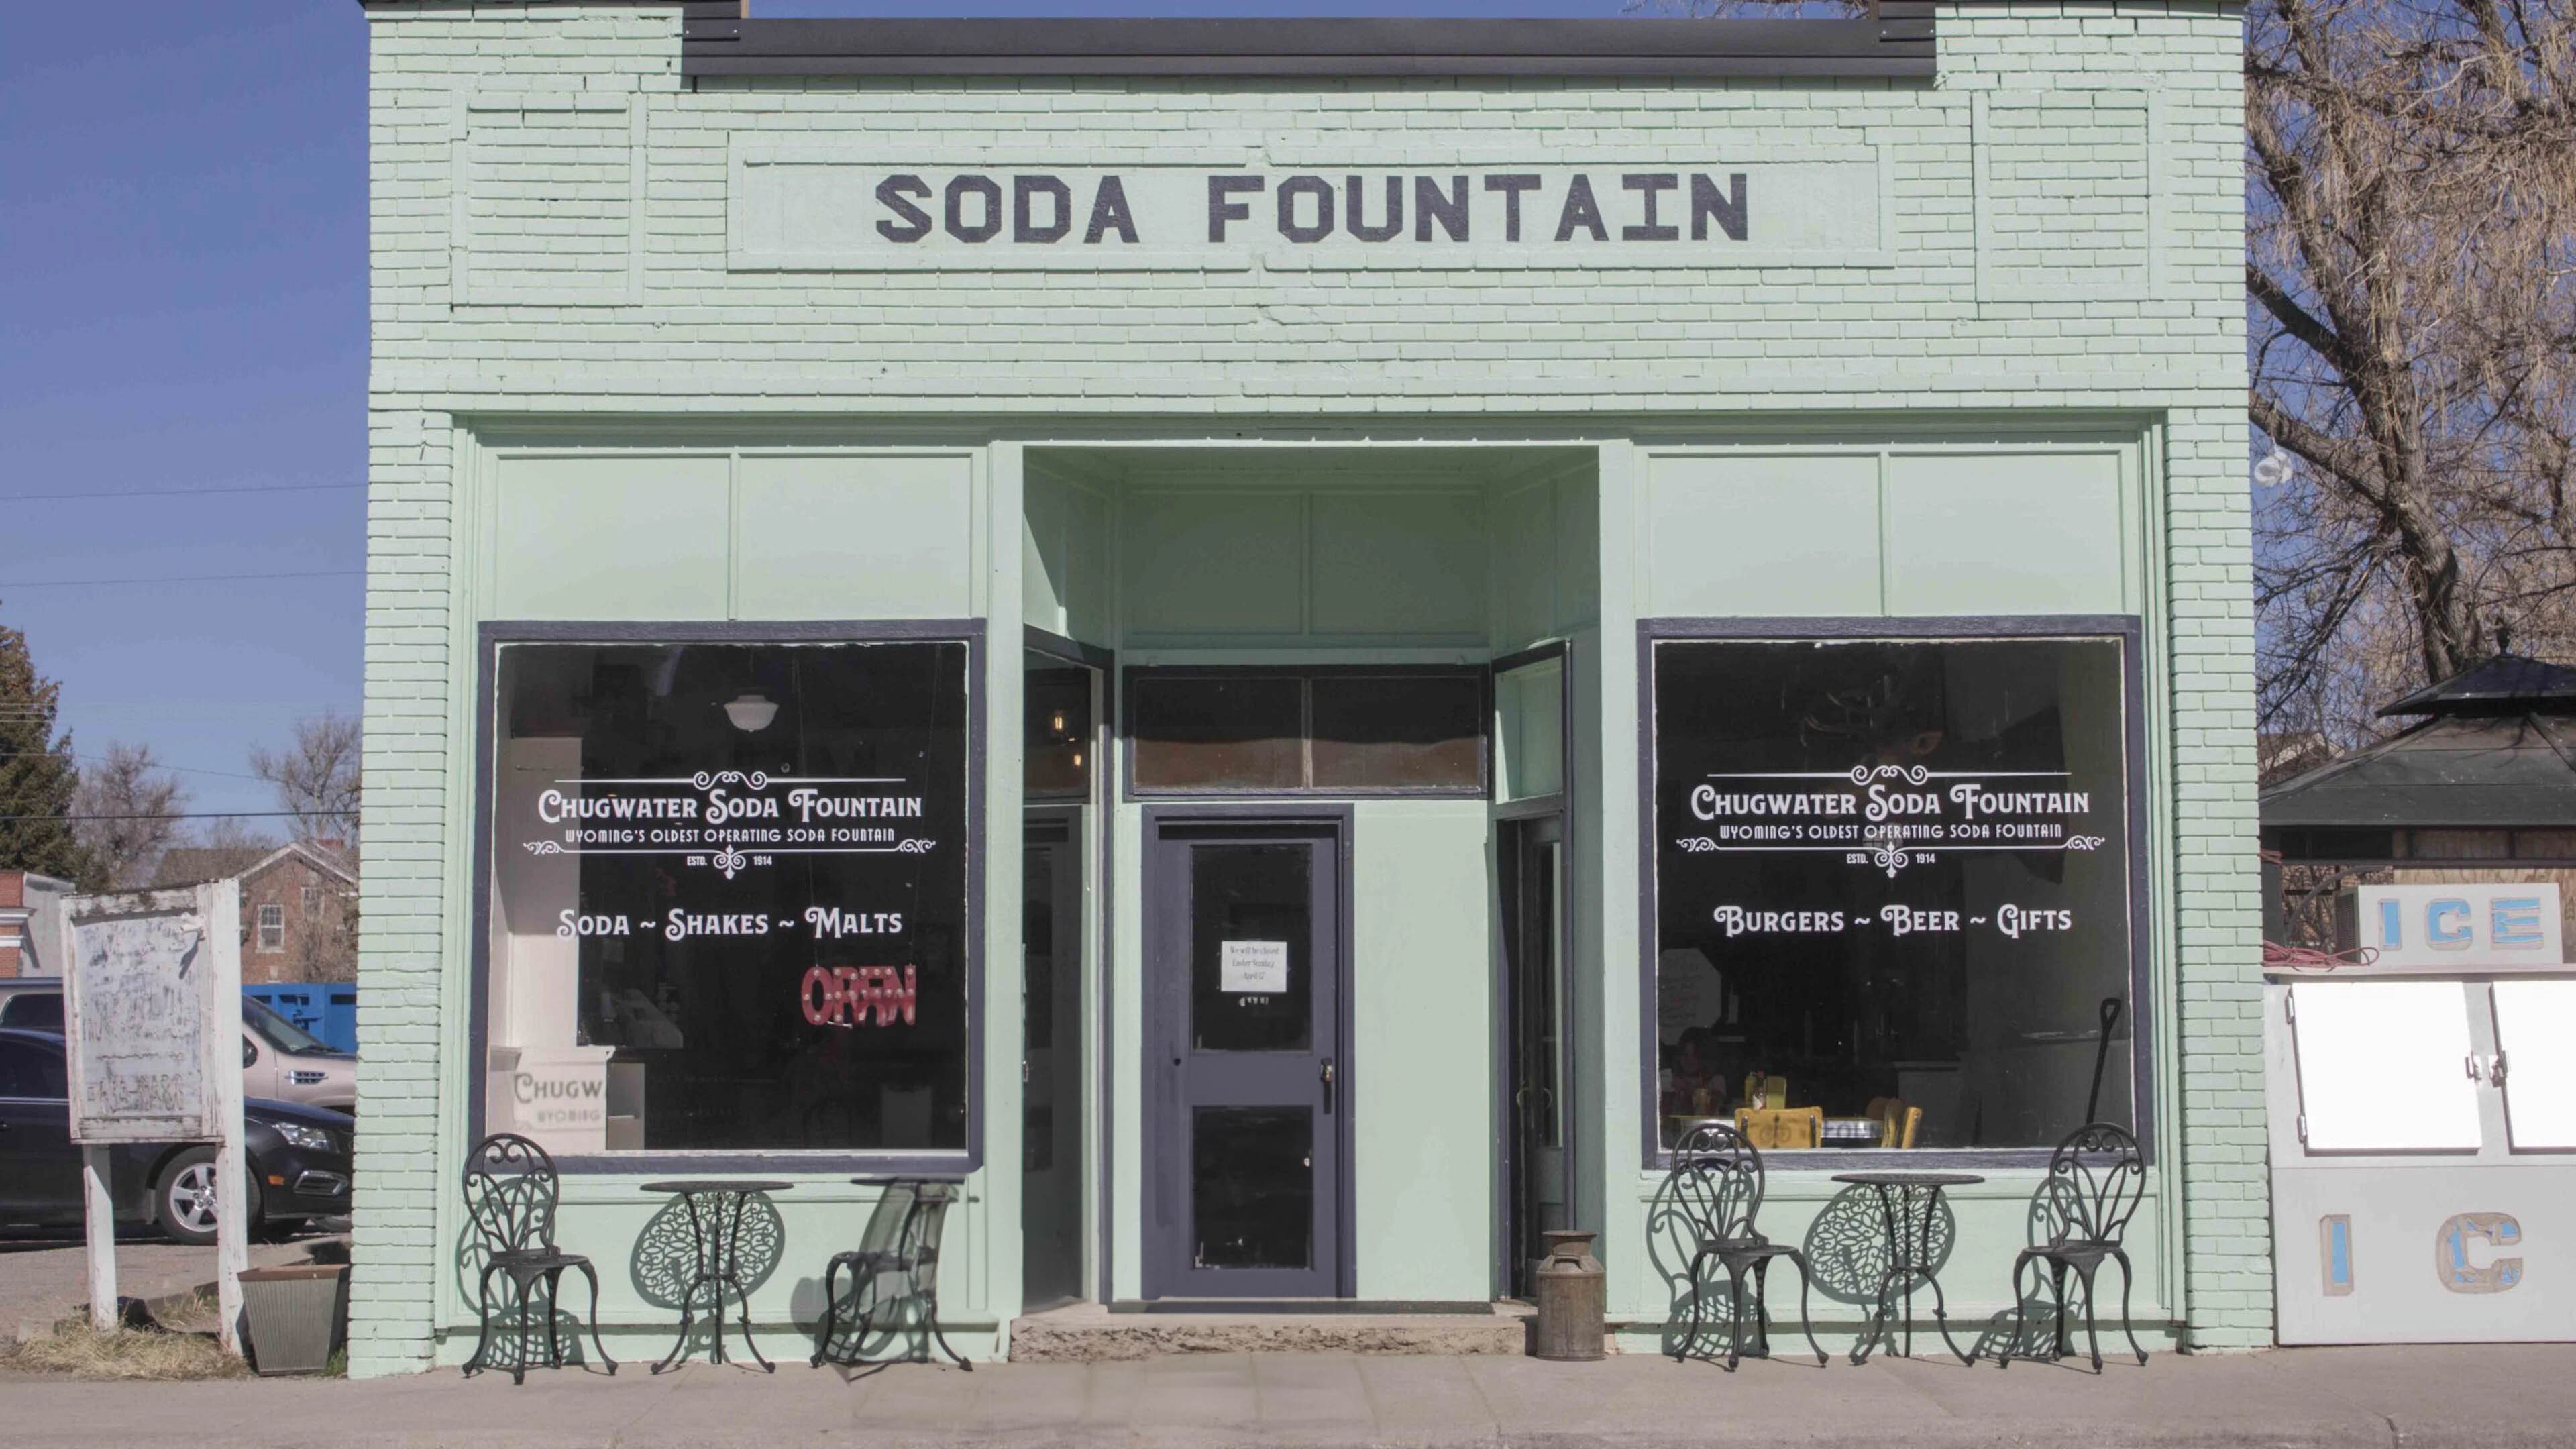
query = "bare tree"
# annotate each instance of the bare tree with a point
(2411, 282)
(122, 816)
(224, 846)
(1751, 9)
(317, 777)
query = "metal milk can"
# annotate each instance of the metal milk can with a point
(1573, 1298)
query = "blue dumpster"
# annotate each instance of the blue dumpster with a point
(329, 1012)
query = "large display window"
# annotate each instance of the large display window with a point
(730, 896)
(1894, 901)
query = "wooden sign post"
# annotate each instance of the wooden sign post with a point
(152, 1019)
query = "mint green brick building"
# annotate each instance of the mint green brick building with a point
(1283, 647)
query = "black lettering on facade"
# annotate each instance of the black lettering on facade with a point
(1222, 207)
(1316, 187)
(1450, 209)
(1650, 185)
(1386, 230)
(915, 223)
(1109, 213)
(990, 225)
(1511, 186)
(1026, 189)
(1580, 211)
(1728, 209)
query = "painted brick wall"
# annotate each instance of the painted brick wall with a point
(1982, 169)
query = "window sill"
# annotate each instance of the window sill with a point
(951, 1164)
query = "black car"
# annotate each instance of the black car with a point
(298, 1168)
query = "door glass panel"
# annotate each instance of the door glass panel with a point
(1252, 1186)
(1251, 947)
(1548, 1000)
(2383, 1066)
(2535, 1020)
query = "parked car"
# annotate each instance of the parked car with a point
(298, 1158)
(280, 1060)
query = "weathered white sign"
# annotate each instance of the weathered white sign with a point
(836, 208)
(1252, 967)
(153, 1016)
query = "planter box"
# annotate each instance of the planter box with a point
(294, 1317)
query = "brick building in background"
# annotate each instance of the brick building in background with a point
(30, 925)
(298, 908)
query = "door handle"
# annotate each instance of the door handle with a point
(1328, 1086)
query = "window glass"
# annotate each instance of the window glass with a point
(1057, 729)
(1266, 731)
(280, 1033)
(29, 1072)
(33, 1010)
(1397, 731)
(1529, 714)
(731, 897)
(1893, 872)
(272, 928)
(1226, 731)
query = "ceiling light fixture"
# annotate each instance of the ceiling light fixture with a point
(752, 712)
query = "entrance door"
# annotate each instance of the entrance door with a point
(1247, 1090)
(1051, 960)
(1534, 1018)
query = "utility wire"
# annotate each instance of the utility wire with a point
(182, 579)
(190, 815)
(181, 492)
(102, 759)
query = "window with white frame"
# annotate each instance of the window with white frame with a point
(272, 928)
(313, 903)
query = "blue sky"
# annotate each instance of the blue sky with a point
(185, 189)
(185, 318)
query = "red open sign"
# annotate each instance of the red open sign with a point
(843, 996)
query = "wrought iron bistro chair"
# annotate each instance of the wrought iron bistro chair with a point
(1716, 1186)
(2095, 1179)
(511, 1192)
(901, 1240)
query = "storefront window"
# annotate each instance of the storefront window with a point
(1891, 875)
(730, 897)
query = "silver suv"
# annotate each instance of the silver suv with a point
(280, 1060)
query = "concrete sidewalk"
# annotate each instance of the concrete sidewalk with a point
(2516, 1395)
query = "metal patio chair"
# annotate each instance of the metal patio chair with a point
(1716, 1187)
(511, 1193)
(2095, 1180)
(901, 1241)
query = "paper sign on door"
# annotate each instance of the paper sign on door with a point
(1252, 966)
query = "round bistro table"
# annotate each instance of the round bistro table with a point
(715, 1239)
(1901, 1195)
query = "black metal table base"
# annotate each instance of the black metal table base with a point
(719, 1260)
(1909, 1260)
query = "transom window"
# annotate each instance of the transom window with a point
(1325, 731)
